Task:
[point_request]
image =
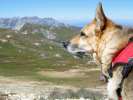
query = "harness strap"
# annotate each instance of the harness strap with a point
(110, 71)
(127, 68)
(120, 98)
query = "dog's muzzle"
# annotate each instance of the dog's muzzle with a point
(80, 54)
(77, 52)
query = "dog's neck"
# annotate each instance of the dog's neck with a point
(108, 45)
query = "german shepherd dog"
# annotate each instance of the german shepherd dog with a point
(103, 38)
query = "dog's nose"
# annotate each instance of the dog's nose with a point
(65, 44)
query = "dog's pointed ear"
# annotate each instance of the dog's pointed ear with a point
(100, 18)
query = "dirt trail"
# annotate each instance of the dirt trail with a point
(69, 73)
(37, 91)
(14, 89)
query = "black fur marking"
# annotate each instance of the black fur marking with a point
(131, 39)
(127, 68)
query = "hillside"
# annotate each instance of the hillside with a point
(35, 54)
(60, 33)
(34, 47)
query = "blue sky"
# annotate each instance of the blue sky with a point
(66, 10)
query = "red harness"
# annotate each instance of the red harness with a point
(123, 56)
(120, 98)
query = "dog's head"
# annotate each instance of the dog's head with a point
(86, 41)
(90, 35)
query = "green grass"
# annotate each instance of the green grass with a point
(27, 64)
(20, 59)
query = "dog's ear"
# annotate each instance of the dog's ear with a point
(100, 18)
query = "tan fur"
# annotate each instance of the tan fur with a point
(128, 87)
(103, 39)
(113, 83)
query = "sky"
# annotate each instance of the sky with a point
(70, 11)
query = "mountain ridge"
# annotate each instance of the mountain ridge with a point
(16, 23)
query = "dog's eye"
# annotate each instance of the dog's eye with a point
(82, 34)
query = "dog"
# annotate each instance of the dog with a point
(103, 38)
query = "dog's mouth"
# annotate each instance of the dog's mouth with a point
(74, 50)
(80, 54)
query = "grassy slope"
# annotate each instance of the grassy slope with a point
(20, 58)
(62, 32)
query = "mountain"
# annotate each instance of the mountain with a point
(34, 37)
(50, 32)
(48, 27)
(37, 38)
(17, 22)
(35, 49)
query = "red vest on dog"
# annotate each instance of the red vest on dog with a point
(124, 55)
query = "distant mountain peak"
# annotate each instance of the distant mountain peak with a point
(16, 23)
